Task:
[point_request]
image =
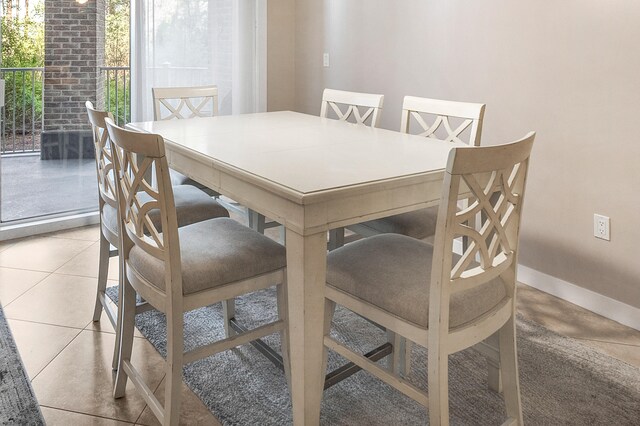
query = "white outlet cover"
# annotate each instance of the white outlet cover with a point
(325, 60)
(601, 227)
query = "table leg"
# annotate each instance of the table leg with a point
(306, 272)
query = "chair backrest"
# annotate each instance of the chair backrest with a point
(493, 179)
(353, 101)
(184, 102)
(137, 155)
(104, 154)
(468, 116)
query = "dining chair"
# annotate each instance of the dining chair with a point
(192, 205)
(434, 297)
(175, 103)
(181, 269)
(451, 122)
(360, 107)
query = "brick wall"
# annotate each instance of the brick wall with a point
(74, 49)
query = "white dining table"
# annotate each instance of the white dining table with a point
(312, 175)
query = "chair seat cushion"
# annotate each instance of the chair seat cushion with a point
(178, 178)
(214, 252)
(417, 224)
(393, 272)
(192, 205)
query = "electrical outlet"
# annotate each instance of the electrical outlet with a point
(325, 60)
(601, 227)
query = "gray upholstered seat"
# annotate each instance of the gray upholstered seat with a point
(213, 253)
(192, 205)
(393, 272)
(417, 224)
(178, 178)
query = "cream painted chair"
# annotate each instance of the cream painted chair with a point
(468, 129)
(192, 205)
(434, 297)
(182, 269)
(361, 108)
(184, 102)
(176, 103)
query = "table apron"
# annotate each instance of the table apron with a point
(313, 217)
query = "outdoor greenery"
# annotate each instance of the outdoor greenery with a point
(117, 55)
(23, 47)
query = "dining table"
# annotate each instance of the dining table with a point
(311, 175)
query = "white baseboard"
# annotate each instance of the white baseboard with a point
(590, 300)
(10, 232)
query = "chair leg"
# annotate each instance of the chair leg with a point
(395, 361)
(509, 369)
(336, 238)
(329, 310)
(283, 310)
(173, 376)
(438, 388)
(228, 312)
(256, 221)
(400, 361)
(119, 316)
(493, 363)
(128, 309)
(103, 271)
(405, 367)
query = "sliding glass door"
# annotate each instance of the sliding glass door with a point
(46, 158)
(57, 54)
(177, 43)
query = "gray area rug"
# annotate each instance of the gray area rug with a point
(562, 381)
(18, 405)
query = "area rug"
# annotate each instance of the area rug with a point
(18, 405)
(563, 382)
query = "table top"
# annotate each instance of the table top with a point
(304, 153)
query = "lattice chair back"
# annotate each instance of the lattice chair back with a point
(139, 155)
(493, 178)
(450, 121)
(360, 108)
(184, 102)
(103, 154)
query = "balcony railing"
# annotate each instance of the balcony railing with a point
(117, 86)
(22, 116)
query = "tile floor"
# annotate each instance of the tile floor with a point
(47, 290)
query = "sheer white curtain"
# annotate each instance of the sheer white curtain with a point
(198, 42)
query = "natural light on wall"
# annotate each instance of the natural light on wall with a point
(198, 42)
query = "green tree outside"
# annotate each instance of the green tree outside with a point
(22, 47)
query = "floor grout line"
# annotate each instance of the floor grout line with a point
(43, 323)
(89, 415)
(33, 286)
(146, 405)
(57, 355)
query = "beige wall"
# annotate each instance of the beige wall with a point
(569, 70)
(280, 58)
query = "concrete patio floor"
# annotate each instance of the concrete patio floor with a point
(30, 187)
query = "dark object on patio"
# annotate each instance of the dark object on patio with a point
(66, 144)
(18, 403)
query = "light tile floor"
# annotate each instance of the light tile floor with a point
(47, 289)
